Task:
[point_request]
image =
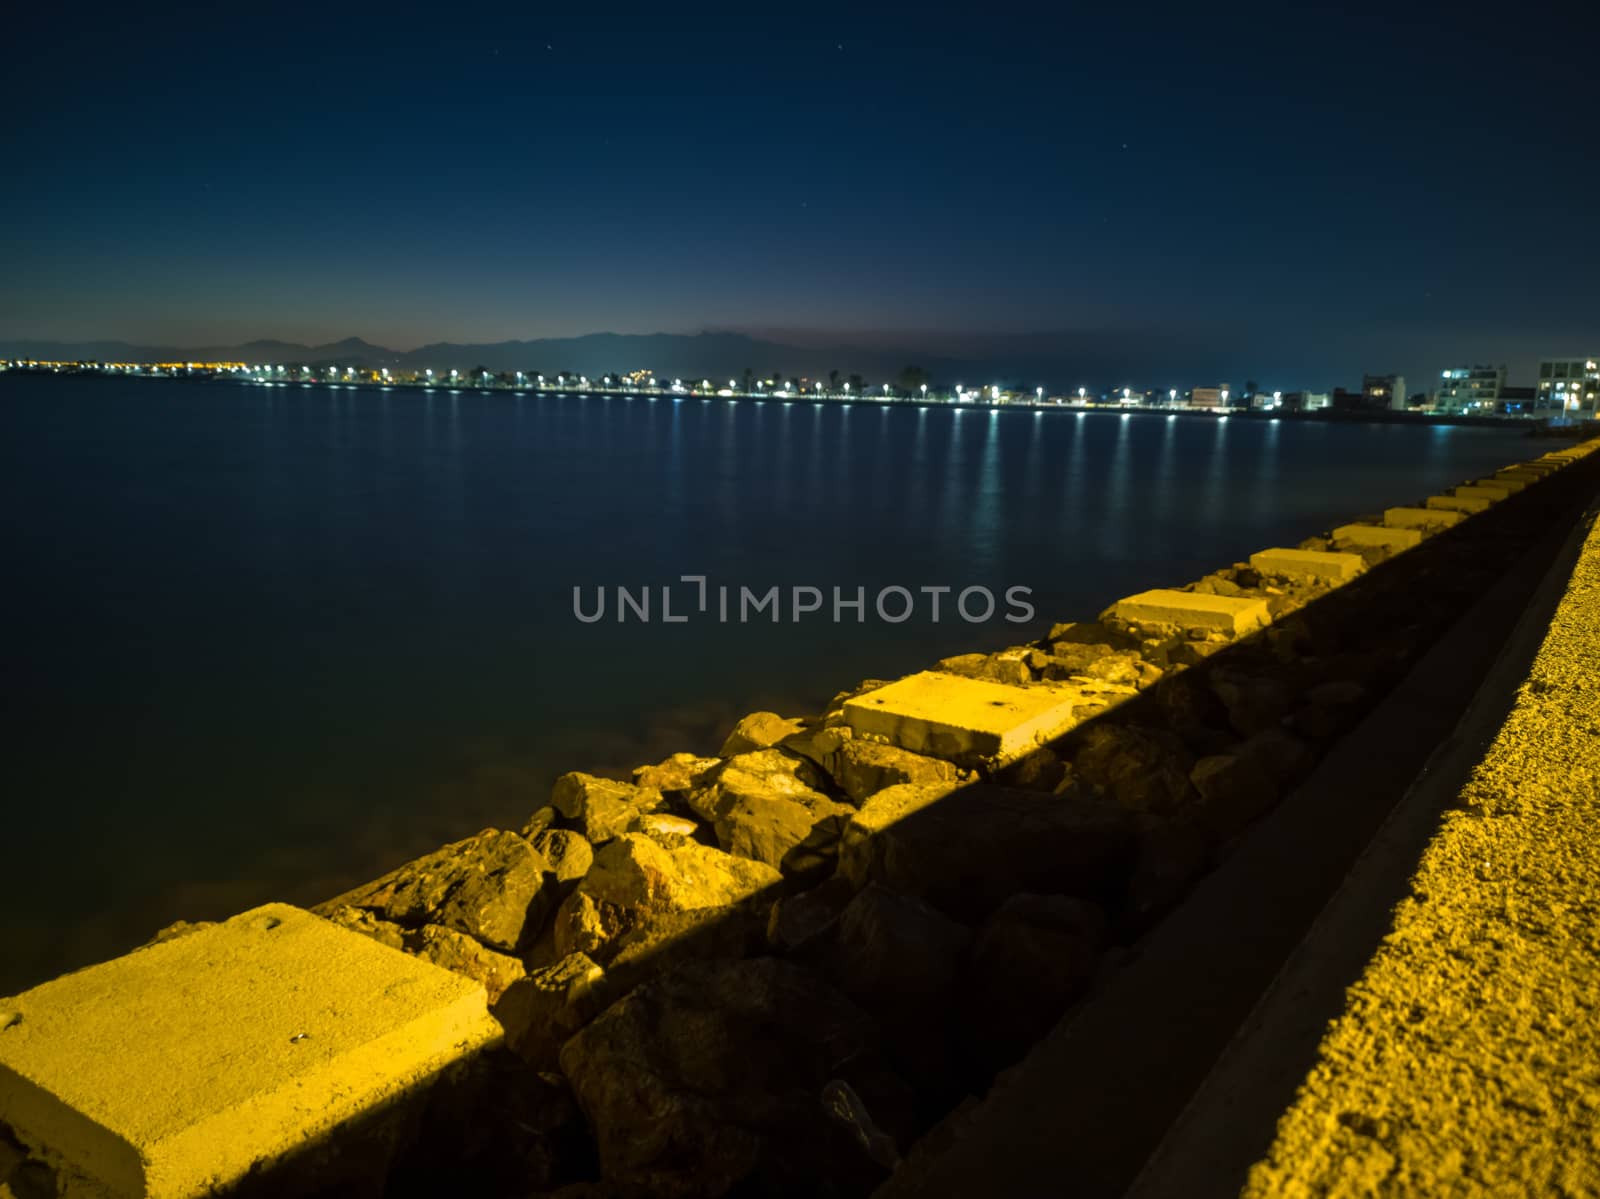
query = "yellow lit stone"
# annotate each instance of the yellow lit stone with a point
(179, 1067)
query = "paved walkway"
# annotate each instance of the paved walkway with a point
(1467, 1058)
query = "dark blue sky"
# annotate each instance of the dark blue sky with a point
(1314, 188)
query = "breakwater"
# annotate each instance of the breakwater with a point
(777, 968)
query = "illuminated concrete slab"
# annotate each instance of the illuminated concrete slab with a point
(1516, 478)
(1460, 503)
(1421, 518)
(1389, 539)
(177, 1069)
(1192, 610)
(1493, 489)
(962, 719)
(1310, 565)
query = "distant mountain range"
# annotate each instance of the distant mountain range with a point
(1057, 360)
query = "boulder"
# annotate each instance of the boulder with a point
(675, 776)
(663, 824)
(541, 819)
(638, 879)
(1172, 855)
(460, 954)
(494, 887)
(765, 772)
(1234, 790)
(491, 1126)
(765, 803)
(541, 1010)
(966, 851)
(1253, 702)
(567, 854)
(709, 1080)
(765, 828)
(863, 768)
(900, 960)
(820, 745)
(1331, 708)
(601, 808)
(1281, 755)
(1143, 770)
(759, 730)
(1033, 957)
(797, 922)
(1008, 666)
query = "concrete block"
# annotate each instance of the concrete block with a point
(1390, 539)
(1486, 490)
(1310, 565)
(1421, 518)
(962, 719)
(1459, 503)
(181, 1067)
(1192, 610)
(1518, 477)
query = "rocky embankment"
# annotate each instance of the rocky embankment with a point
(773, 970)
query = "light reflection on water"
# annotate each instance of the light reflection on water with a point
(273, 641)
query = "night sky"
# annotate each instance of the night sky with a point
(1310, 188)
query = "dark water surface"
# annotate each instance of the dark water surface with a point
(263, 643)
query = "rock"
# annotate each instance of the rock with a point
(1008, 666)
(601, 808)
(1068, 658)
(1218, 584)
(820, 745)
(765, 803)
(765, 772)
(968, 850)
(663, 824)
(567, 855)
(1253, 702)
(892, 952)
(1331, 708)
(1033, 957)
(797, 922)
(765, 828)
(710, 1079)
(1234, 790)
(815, 856)
(1086, 632)
(1122, 667)
(863, 768)
(637, 879)
(494, 887)
(1143, 770)
(541, 819)
(1172, 855)
(1041, 770)
(508, 1129)
(759, 730)
(541, 1010)
(460, 954)
(900, 959)
(1281, 755)
(677, 775)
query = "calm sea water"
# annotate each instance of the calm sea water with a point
(264, 643)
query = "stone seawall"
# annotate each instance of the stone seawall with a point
(774, 970)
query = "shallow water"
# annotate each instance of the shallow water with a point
(266, 642)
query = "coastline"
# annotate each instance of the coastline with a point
(807, 849)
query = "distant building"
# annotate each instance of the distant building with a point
(1211, 397)
(1464, 388)
(1306, 401)
(1384, 391)
(1569, 385)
